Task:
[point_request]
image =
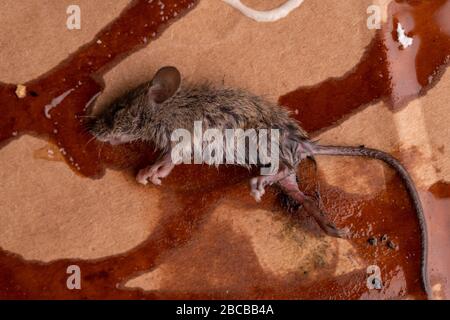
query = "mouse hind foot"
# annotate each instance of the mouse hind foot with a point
(296, 199)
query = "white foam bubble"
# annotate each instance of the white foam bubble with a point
(404, 40)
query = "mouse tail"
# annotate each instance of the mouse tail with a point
(409, 184)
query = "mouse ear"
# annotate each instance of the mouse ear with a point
(164, 84)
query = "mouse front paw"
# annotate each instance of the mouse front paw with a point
(149, 173)
(257, 188)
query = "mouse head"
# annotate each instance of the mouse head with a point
(126, 118)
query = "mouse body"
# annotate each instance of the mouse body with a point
(153, 110)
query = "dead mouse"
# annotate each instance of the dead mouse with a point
(153, 110)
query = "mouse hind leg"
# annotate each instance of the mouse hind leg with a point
(290, 187)
(258, 184)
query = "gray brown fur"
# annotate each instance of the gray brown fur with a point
(136, 115)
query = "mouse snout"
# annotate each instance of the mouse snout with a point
(99, 128)
(104, 133)
(114, 141)
(107, 138)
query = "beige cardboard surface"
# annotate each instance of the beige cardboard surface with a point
(320, 39)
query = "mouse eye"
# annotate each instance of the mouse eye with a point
(111, 114)
(109, 119)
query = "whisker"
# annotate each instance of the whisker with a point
(100, 150)
(90, 117)
(85, 133)
(89, 141)
(87, 126)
